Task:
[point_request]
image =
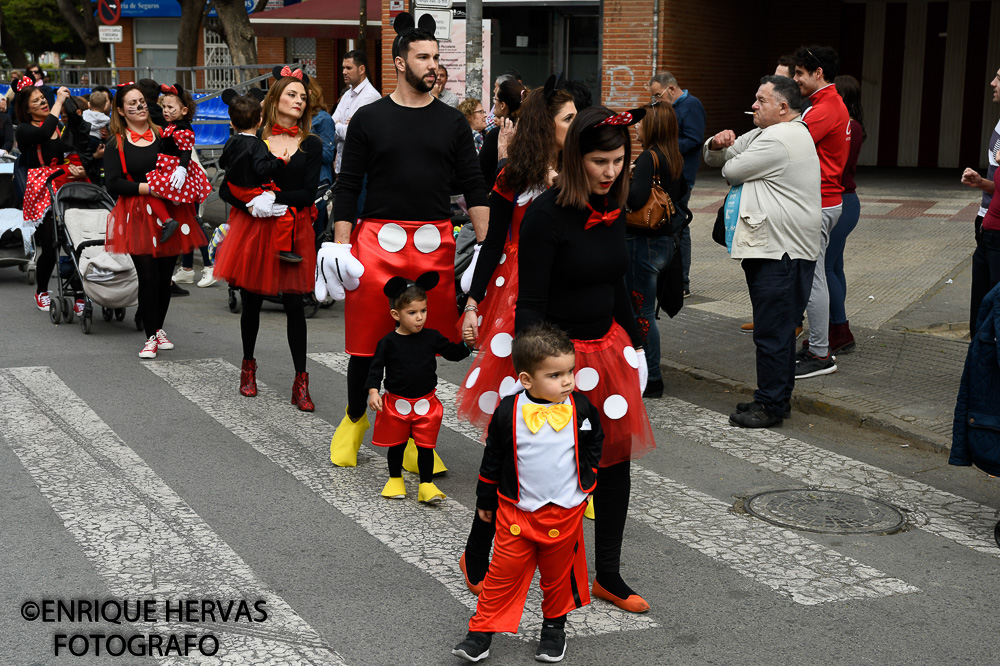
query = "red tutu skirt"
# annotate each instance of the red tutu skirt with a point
(133, 228)
(248, 257)
(37, 200)
(196, 187)
(606, 372)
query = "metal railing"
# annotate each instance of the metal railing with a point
(85, 77)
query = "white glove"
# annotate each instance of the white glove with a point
(337, 270)
(643, 370)
(466, 282)
(276, 210)
(518, 386)
(178, 177)
(261, 204)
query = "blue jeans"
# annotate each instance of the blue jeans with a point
(686, 245)
(835, 279)
(187, 260)
(648, 255)
(779, 289)
(985, 271)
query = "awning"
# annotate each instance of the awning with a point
(323, 19)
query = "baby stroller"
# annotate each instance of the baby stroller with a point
(15, 234)
(80, 214)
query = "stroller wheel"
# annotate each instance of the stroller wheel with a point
(86, 320)
(120, 314)
(54, 308)
(31, 276)
(235, 301)
(67, 309)
(106, 313)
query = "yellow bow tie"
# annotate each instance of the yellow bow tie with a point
(558, 416)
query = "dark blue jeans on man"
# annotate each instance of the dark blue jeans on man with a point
(779, 290)
(985, 271)
(648, 255)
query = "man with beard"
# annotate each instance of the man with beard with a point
(408, 145)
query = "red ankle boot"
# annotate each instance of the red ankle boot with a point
(300, 392)
(841, 338)
(248, 378)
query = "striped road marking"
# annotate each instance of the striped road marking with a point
(963, 521)
(781, 559)
(141, 537)
(429, 538)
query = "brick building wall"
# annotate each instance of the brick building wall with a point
(388, 35)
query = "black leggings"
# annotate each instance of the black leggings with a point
(295, 315)
(357, 394)
(425, 462)
(154, 289)
(45, 243)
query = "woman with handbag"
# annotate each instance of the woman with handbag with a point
(653, 222)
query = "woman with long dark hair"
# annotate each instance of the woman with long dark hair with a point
(136, 226)
(841, 338)
(650, 251)
(507, 104)
(249, 257)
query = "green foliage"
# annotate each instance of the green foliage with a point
(40, 27)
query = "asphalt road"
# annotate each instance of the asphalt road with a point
(129, 480)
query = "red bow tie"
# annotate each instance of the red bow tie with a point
(287, 71)
(290, 131)
(145, 136)
(607, 218)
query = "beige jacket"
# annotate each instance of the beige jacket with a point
(780, 202)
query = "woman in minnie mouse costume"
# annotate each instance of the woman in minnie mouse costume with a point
(39, 137)
(175, 178)
(134, 225)
(248, 258)
(572, 260)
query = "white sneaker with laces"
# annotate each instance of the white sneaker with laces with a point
(184, 277)
(43, 301)
(149, 349)
(78, 307)
(162, 342)
(207, 279)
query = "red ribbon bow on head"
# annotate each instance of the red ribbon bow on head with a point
(287, 71)
(168, 90)
(290, 131)
(23, 82)
(606, 218)
(145, 136)
(623, 118)
(168, 130)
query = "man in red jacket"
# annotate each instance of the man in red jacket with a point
(828, 123)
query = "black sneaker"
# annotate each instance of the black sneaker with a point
(177, 290)
(654, 389)
(809, 365)
(754, 417)
(552, 646)
(475, 647)
(745, 406)
(290, 257)
(169, 227)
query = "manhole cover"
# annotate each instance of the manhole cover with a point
(826, 512)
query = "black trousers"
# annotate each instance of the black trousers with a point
(154, 289)
(985, 271)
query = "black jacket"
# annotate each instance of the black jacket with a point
(498, 472)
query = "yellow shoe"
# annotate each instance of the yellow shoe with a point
(347, 440)
(428, 493)
(589, 511)
(410, 460)
(394, 488)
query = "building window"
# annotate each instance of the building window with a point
(156, 48)
(219, 63)
(302, 51)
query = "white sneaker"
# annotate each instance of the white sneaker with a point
(162, 342)
(184, 277)
(149, 349)
(207, 279)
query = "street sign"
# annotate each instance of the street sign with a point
(432, 4)
(442, 20)
(109, 11)
(110, 34)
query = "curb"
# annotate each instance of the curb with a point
(920, 438)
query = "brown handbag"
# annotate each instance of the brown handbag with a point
(658, 208)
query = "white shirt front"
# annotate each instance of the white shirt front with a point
(546, 463)
(355, 98)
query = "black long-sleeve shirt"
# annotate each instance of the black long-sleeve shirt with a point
(501, 216)
(489, 157)
(409, 362)
(170, 147)
(139, 160)
(572, 277)
(29, 138)
(409, 155)
(642, 185)
(247, 161)
(8, 132)
(298, 180)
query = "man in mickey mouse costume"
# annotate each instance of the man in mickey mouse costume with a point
(408, 144)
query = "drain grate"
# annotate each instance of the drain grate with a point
(825, 512)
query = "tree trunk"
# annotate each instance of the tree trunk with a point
(474, 49)
(192, 17)
(83, 22)
(12, 46)
(239, 35)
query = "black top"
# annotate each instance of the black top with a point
(572, 277)
(642, 185)
(498, 471)
(409, 155)
(29, 138)
(489, 156)
(298, 180)
(170, 147)
(248, 162)
(140, 160)
(7, 127)
(409, 362)
(501, 215)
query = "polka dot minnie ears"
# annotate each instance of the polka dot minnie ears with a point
(624, 119)
(397, 285)
(284, 71)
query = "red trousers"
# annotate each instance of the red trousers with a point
(403, 418)
(550, 538)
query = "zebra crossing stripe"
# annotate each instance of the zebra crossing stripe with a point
(140, 536)
(936, 511)
(429, 538)
(781, 559)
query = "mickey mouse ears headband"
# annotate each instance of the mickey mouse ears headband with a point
(284, 71)
(397, 285)
(228, 95)
(404, 24)
(552, 84)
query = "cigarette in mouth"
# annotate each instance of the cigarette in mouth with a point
(749, 113)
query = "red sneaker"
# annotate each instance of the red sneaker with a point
(149, 349)
(162, 342)
(43, 301)
(78, 307)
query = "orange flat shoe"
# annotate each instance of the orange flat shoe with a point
(475, 589)
(747, 326)
(634, 603)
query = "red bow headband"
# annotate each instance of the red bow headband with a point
(288, 71)
(23, 82)
(169, 90)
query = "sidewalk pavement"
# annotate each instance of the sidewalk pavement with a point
(907, 267)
